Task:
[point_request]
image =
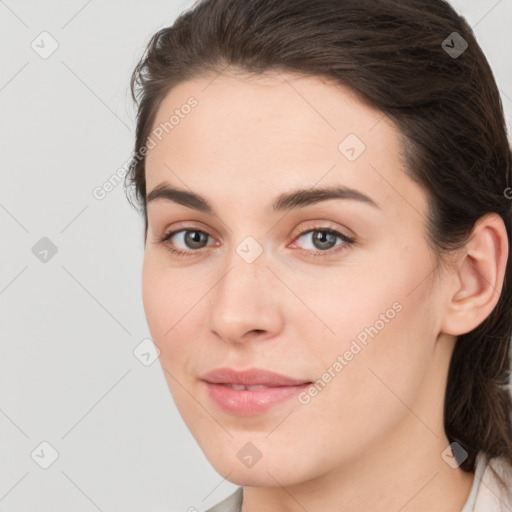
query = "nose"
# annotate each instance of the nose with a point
(246, 304)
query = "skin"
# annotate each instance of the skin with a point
(372, 438)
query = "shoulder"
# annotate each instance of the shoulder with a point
(495, 486)
(233, 503)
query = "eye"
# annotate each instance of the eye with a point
(323, 240)
(190, 240)
(184, 242)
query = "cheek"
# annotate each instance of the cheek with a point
(396, 347)
(153, 297)
(347, 305)
(381, 320)
(162, 301)
(382, 366)
(171, 305)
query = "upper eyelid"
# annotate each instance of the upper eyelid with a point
(307, 229)
(303, 231)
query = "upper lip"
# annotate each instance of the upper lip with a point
(251, 377)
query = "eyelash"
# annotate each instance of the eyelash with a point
(347, 241)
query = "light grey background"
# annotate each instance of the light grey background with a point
(68, 375)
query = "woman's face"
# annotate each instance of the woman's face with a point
(261, 284)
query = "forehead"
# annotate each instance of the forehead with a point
(282, 110)
(273, 131)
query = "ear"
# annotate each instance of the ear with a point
(478, 276)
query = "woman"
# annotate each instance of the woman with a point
(327, 267)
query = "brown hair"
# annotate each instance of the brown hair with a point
(447, 107)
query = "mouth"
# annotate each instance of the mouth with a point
(241, 387)
(251, 377)
(250, 392)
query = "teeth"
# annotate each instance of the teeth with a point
(240, 387)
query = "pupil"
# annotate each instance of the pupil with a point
(194, 237)
(323, 239)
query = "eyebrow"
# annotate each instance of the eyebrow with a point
(284, 202)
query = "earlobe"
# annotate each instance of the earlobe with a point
(479, 275)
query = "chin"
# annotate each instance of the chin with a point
(254, 477)
(269, 471)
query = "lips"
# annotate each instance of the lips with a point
(250, 392)
(251, 377)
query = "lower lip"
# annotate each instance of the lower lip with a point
(251, 402)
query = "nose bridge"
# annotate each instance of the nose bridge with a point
(243, 281)
(243, 299)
